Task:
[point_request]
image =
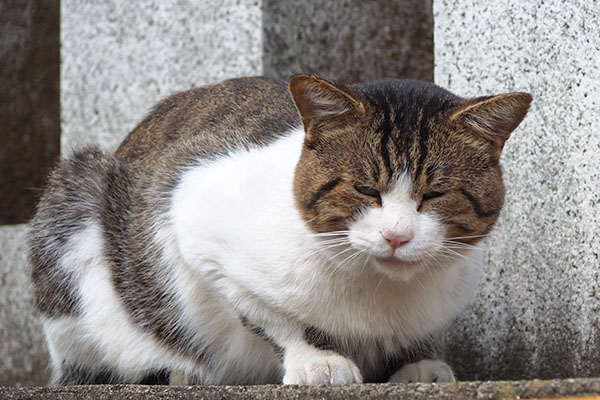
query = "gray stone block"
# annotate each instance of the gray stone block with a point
(349, 40)
(537, 313)
(29, 109)
(23, 353)
(119, 58)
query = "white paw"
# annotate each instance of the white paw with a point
(424, 371)
(322, 368)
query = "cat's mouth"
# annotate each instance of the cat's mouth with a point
(395, 262)
(397, 268)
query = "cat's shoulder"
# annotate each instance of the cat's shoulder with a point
(241, 111)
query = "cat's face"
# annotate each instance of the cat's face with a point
(404, 171)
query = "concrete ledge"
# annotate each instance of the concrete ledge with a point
(536, 389)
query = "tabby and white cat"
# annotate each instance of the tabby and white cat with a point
(241, 235)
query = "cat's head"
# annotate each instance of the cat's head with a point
(406, 171)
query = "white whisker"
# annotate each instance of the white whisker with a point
(468, 237)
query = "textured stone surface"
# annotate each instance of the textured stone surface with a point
(538, 311)
(120, 57)
(29, 114)
(23, 356)
(349, 40)
(582, 388)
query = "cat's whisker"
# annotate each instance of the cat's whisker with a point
(362, 268)
(320, 250)
(459, 245)
(434, 258)
(353, 258)
(338, 254)
(418, 280)
(379, 283)
(354, 252)
(339, 267)
(330, 243)
(456, 178)
(454, 253)
(332, 233)
(468, 237)
(328, 246)
(333, 240)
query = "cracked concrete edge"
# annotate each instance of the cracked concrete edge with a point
(491, 390)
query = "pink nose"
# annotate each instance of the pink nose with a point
(396, 239)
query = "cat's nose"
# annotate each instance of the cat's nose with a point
(397, 239)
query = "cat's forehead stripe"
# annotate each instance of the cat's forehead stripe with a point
(423, 137)
(385, 131)
(401, 134)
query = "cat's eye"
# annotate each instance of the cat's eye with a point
(431, 195)
(367, 190)
(428, 196)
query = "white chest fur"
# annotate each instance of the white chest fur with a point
(234, 220)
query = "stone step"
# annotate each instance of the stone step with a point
(491, 390)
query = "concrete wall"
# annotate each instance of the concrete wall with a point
(29, 114)
(23, 355)
(537, 313)
(119, 58)
(348, 40)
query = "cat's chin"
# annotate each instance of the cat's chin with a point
(397, 269)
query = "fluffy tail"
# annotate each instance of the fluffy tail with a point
(76, 194)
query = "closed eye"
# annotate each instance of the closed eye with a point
(429, 196)
(369, 191)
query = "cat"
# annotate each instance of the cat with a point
(255, 231)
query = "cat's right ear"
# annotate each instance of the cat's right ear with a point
(322, 104)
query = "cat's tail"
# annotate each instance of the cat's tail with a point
(74, 198)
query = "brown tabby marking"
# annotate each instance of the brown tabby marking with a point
(212, 119)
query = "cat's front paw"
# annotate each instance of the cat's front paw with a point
(322, 368)
(424, 371)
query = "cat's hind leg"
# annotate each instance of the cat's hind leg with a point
(74, 360)
(78, 375)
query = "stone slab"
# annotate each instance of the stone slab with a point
(23, 354)
(537, 313)
(572, 388)
(348, 40)
(119, 58)
(29, 109)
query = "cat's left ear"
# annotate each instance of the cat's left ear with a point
(494, 118)
(322, 104)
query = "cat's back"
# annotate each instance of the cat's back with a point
(215, 119)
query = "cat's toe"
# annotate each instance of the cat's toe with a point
(322, 370)
(424, 371)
